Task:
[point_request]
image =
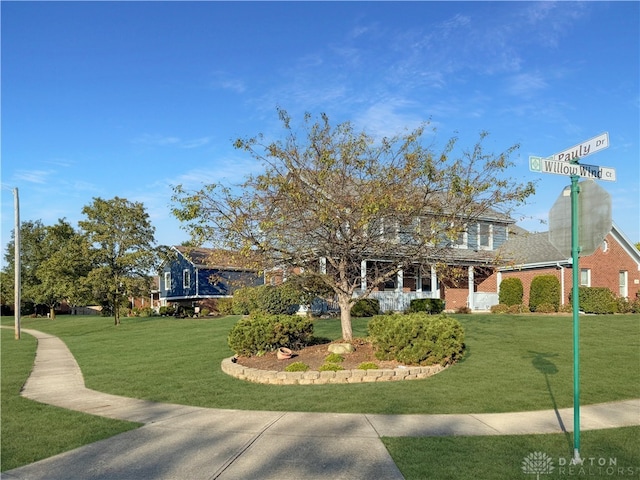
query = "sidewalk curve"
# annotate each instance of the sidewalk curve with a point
(185, 442)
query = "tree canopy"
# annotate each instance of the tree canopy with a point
(332, 197)
(122, 243)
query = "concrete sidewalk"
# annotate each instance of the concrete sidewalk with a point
(182, 442)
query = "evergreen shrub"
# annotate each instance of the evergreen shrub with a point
(499, 308)
(365, 307)
(544, 289)
(511, 291)
(429, 305)
(260, 332)
(417, 338)
(597, 300)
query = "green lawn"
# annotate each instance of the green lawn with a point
(31, 430)
(608, 454)
(512, 363)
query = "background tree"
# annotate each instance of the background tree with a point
(333, 197)
(122, 244)
(54, 262)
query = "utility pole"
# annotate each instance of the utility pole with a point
(16, 235)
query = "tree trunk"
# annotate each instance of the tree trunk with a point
(52, 313)
(345, 316)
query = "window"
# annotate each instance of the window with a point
(186, 279)
(167, 280)
(485, 240)
(624, 290)
(585, 277)
(605, 246)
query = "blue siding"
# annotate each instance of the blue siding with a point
(204, 283)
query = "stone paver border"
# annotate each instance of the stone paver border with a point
(313, 377)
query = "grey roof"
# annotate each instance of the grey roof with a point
(524, 247)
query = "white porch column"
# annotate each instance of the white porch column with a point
(419, 280)
(470, 286)
(498, 282)
(434, 282)
(363, 275)
(400, 282)
(323, 265)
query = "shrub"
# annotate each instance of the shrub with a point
(334, 358)
(368, 366)
(330, 367)
(544, 289)
(224, 306)
(204, 312)
(296, 367)
(597, 300)
(545, 308)
(260, 332)
(365, 307)
(511, 291)
(499, 308)
(520, 308)
(429, 305)
(245, 300)
(566, 308)
(464, 309)
(167, 311)
(417, 338)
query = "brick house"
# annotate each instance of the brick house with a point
(615, 265)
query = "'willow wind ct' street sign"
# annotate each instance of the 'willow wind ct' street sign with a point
(548, 165)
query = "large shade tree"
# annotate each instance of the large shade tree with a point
(122, 244)
(54, 261)
(331, 196)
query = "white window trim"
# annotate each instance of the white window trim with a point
(167, 281)
(588, 271)
(186, 275)
(623, 288)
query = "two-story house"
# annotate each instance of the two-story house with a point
(195, 277)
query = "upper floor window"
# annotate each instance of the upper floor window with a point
(186, 279)
(485, 236)
(167, 280)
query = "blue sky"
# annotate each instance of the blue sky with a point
(102, 99)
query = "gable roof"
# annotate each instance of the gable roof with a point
(210, 258)
(524, 248)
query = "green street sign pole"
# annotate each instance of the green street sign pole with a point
(575, 251)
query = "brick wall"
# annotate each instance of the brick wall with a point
(605, 269)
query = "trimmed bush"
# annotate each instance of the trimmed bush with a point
(368, 366)
(296, 367)
(521, 308)
(511, 291)
(545, 308)
(365, 307)
(334, 358)
(260, 332)
(544, 289)
(330, 367)
(429, 305)
(276, 300)
(417, 338)
(166, 311)
(499, 308)
(597, 300)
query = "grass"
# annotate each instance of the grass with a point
(609, 453)
(527, 359)
(32, 431)
(512, 363)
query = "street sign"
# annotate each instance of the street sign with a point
(594, 211)
(583, 149)
(548, 165)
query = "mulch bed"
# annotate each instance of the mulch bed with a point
(315, 355)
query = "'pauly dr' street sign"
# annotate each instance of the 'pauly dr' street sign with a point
(583, 149)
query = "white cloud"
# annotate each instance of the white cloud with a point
(34, 176)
